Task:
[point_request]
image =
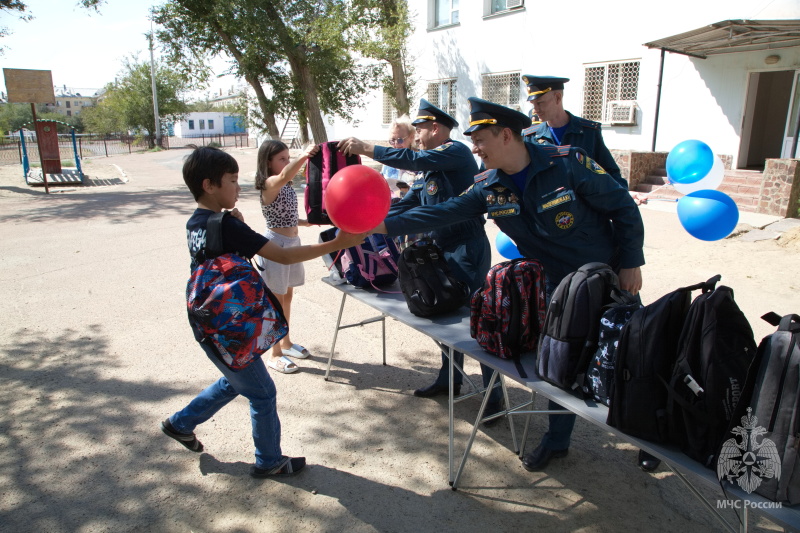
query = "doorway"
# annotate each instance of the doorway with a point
(764, 128)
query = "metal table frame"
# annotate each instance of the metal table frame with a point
(451, 331)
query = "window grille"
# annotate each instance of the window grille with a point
(445, 12)
(210, 124)
(442, 94)
(616, 82)
(202, 124)
(191, 124)
(503, 89)
(389, 112)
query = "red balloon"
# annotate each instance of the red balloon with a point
(357, 198)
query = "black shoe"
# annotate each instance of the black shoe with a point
(647, 462)
(491, 409)
(437, 390)
(538, 458)
(189, 440)
(289, 466)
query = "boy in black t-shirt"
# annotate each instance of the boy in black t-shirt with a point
(212, 175)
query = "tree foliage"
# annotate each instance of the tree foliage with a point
(380, 30)
(15, 116)
(294, 54)
(127, 104)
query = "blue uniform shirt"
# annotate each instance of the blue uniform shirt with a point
(583, 133)
(570, 213)
(449, 170)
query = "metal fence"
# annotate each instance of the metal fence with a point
(92, 145)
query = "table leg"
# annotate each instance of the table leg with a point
(336, 334)
(474, 428)
(450, 402)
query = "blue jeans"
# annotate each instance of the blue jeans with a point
(255, 384)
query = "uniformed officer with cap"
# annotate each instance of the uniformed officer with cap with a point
(449, 169)
(560, 127)
(560, 207)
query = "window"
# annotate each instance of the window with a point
(503, 89)
(68, 103)
(191, 124)
(210, 124)
(202, 124)
(389, 112)
(442, 94)
(69, 113)
(608, 87)
(504, 5)
(445, 12)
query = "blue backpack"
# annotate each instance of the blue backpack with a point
(230, 306)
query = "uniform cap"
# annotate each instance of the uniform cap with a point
(539, 85)
(484, 113)
(430, 113)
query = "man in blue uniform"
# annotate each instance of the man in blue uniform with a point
(560, 127)
(449, 169)
(592, 218)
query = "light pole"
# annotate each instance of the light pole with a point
(153, 81)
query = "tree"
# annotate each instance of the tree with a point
(291, 53)
(128, 102)
(381, 28)
(21, 8)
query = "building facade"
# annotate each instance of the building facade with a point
(743, 102)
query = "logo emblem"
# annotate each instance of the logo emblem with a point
(432, 188)
(565, 220)
(748, 458)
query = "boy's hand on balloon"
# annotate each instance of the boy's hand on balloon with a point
(346, 240)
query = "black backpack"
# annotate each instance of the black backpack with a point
(646, 354)
(572, 325)
(715, 350)
(426, 281)
(599, 381)
(768, 409)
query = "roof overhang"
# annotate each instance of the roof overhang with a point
(732, 36)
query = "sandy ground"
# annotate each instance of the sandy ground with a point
(96, 351)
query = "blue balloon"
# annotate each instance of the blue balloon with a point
(506, 246)
(708, 215)
(689, 162)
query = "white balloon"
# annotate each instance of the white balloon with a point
(712, 180)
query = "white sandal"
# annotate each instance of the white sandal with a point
(288, 366)
(297, 351)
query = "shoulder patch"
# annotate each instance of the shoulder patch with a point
(444, 146)
(555, 151)
(529, 131)
(586, 123)
(482, 176)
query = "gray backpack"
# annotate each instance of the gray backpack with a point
(767, 421)
(572, 325)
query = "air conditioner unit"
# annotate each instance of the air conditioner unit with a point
(621, 112)
(511, 4)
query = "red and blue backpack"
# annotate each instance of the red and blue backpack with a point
(507, 314)
(229, 305)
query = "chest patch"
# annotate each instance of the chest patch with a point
(565, 220)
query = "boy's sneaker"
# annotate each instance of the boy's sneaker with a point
(187, 439)
(287, 467)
